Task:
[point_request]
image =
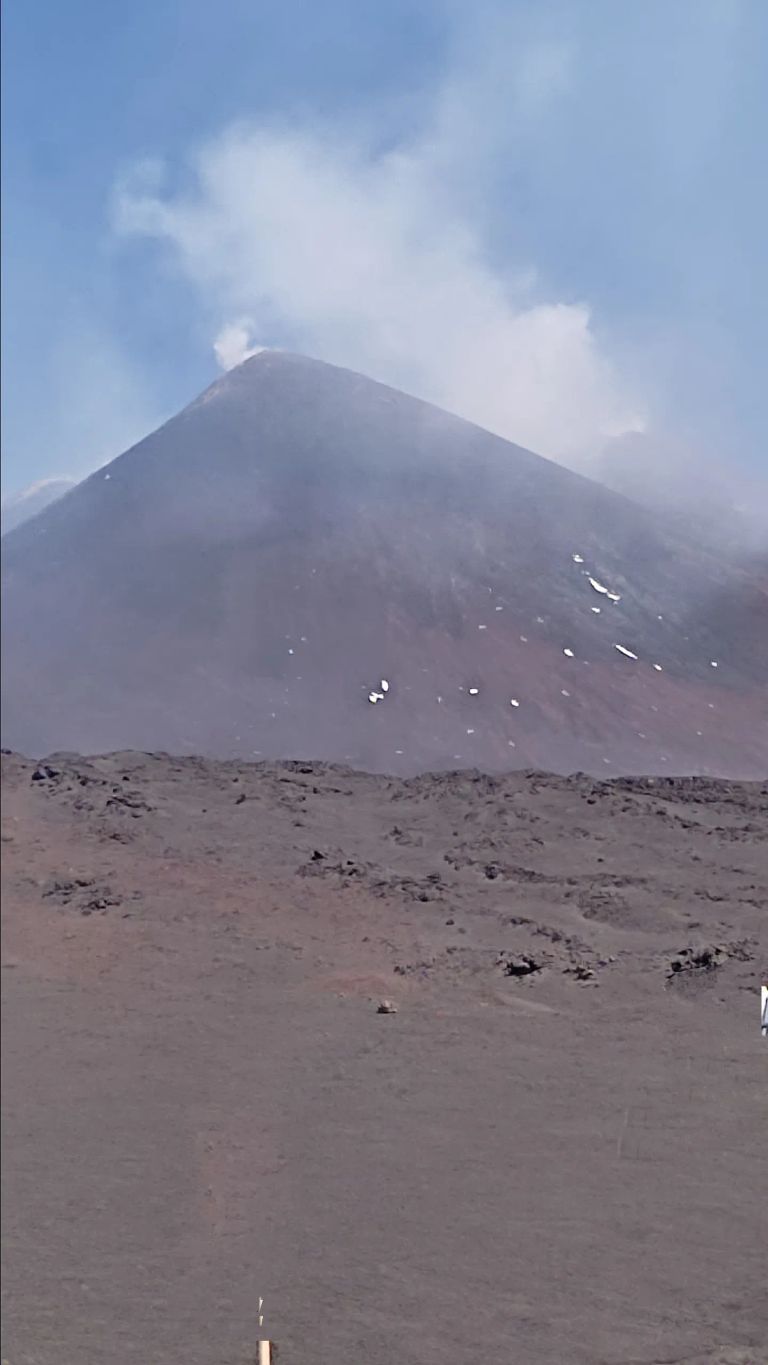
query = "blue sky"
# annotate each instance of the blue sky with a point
(548, 216)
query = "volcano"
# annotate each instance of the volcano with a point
(306, 563)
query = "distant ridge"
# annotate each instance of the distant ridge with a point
(19, 507)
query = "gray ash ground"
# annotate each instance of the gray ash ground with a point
(440, 1067)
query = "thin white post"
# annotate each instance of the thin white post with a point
(265, 1347)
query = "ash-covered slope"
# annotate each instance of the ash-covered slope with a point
(243, 580)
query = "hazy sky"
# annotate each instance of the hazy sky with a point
(548, 216)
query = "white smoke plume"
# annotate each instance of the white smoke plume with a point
(373, 260)
(233, 344)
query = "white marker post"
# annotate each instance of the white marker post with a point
(265, 1347)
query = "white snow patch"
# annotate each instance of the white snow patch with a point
(513, 701)
(623, 650)
(598, 587)
(569, 654)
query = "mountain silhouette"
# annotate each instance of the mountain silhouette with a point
(306, 563)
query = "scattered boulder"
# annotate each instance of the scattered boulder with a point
(522, 965)
(697, 960)
(44, 773)
(581, 971)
